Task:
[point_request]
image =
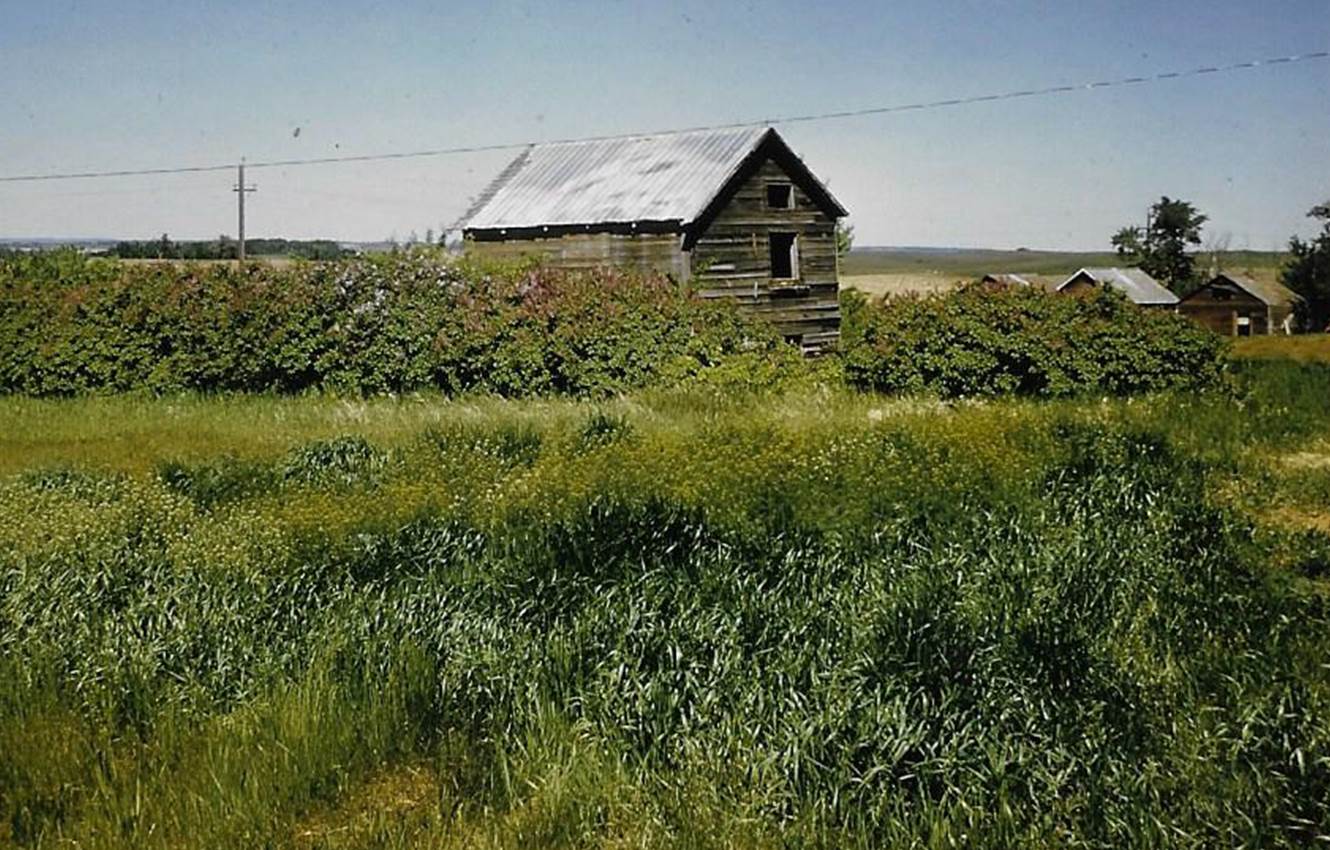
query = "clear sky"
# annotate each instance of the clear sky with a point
(136, 84)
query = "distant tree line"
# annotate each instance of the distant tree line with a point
(226, 248)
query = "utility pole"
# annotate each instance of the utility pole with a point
(240, 189)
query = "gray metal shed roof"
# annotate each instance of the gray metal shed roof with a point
(1133, 283)
(664, 178)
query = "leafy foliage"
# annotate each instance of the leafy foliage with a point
(399, 323)
(1308, 271)
(844, 239)
(1161, 248)
(993, 342)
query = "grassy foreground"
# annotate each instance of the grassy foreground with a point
(670, 620)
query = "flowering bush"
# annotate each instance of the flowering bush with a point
(369, 325)
(1018, 341)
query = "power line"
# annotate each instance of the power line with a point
(787, 119)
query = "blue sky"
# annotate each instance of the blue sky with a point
(145, 84)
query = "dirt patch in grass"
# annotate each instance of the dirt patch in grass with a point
(1306, 460)
(397, 795)
(1299, 519)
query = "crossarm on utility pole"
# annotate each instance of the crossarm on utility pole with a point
(241, 189)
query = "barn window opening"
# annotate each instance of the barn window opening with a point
(780, 196)
(784, 256)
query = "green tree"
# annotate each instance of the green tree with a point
(1308, 271)
(1161, 248)
(844, 239)
(227, 249)
(1129, 243)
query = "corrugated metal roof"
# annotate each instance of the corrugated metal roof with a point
(1133, 283)
(614, 181)
(1270, 292)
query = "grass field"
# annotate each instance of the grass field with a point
(878, 285)
(1307, 348)
(906, 271)
(676, 619)
(969, 263)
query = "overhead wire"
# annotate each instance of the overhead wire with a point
(774, 121)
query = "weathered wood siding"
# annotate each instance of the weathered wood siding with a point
(1218, 308)
(645, 252)
(731, 258)
(1080, 286)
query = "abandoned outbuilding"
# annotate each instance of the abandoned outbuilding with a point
(734, 212)
(1134, 283)
(1001, 280)
(1237, 305)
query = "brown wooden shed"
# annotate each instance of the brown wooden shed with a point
(735, 213)
(1237, 305)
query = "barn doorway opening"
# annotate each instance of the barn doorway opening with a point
(784, 256)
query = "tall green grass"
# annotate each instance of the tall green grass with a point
(668, 620)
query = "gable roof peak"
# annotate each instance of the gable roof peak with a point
(670, 178)
(1134, 282)
(1272, 293)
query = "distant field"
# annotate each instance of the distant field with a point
(1308, 348)
(901, 284)
(966, 263)
(974, 262)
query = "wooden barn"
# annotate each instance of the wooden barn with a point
(734, 213)
(1139, 287)
(1236, 305)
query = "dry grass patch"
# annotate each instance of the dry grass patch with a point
(1306, 460)
(1306, 348)
(877, 285)
(399, 798)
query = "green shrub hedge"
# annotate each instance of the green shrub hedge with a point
(423, 320)
(395, 323)
(979, 341)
